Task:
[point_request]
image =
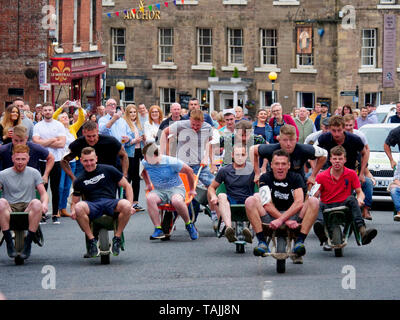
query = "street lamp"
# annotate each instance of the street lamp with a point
(120, 87)
(273, 76)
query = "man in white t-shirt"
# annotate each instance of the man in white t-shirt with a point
(50, 133)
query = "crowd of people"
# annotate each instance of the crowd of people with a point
(94, 155)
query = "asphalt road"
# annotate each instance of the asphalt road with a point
(206, 269)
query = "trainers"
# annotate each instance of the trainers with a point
(12, 253)
(56, 220)
(319, 231)
(248, 236)
(299, 248)
(326, 246)
(222, 228)
(396, 217)
(93, 251)
(230, 234)
(367, 235)
(137, 207)
(43, 220)
(297, 260)
(194, 235)
(157, 234)
(261, 250)
(116, 245)
(26, 253)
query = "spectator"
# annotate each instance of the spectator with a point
(304, 124)
(279, 119)
(365, 118)
(317, 111)
(239, 115)
(134, 150)
(143, 114)
(372, 113)
(194, 105)
(261, 126)
(101, 111)
(19, 102)
(347, 110)
(50, 134)
(229, 117)
(324, 114)
(220, 120)
(151, 127)
(11, 118)
(396, 118)
(38, 117)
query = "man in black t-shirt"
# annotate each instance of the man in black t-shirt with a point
(108, 149)
(299, 154)
(281, 201)
(98, 185)
(392, 139)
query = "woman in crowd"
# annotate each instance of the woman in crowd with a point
(151, 126)
(70, 130)
(221, 121)
(279, 119)
(134, 151)
(261, 126)
(347, 110)
(93, 117)
(11, 118)
(38, 117)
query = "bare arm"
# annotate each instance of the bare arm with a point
(388, 152)
(124, 161)
(164, 140)
(75, 200)
(44, 197)
(66, 167)
(49, 166)
(128, 189)
(360, 196)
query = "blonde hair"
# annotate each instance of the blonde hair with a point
(197, 115)
(7, 123)
(161, 115)
(128, 118)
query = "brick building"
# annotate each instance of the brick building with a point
(23, 44)
(166, 54)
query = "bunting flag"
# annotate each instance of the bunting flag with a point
(174, 2)
(109, 15)
(183, 1)
(117, 14)
(150, 8)
(158, 6)
(134, 11)
(166, 4)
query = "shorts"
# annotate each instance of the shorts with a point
(268, 218)
(166, 194)
(234, 201)
(19, 206)
(102, 207)
(206, 177)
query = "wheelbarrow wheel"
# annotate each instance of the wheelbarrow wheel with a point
(337, 239)
(104, 244)
(19, 246)
(281, 248)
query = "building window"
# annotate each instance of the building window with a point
(77, 23)
(266, 98)
(167, 97)
(373, 98)
(204, 46)
(387, 1)
(93, 25)
(118, 45)
(235, 46)
(234, 2)
(128, 95)
(204, 97)
(368, 48)
(166, 45)
(305, 99)
(59, 11)
(107, 93)
(269, 48)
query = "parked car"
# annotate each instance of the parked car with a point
(379, 164)
(385, 111)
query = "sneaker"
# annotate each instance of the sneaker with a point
(319, 231)
(43, 220)
(367, 235)
(222, 228)
(93, 251)
(248, 236)
(26, 253)
(230, 234)
(116, 245)
(56, 220)
(261, 250)
(137, 207)
(194, 235)
(215, 225)
(12, 253)
(157, 234)
(299, 248)
(297, 259)
(396, 217)
(326, 246)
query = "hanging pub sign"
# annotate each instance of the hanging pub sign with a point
(304, 40)
(60, 72)
(143, 13)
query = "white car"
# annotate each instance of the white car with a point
(379, 164)
(385, 111)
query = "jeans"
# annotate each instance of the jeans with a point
(351, 202)
(65, 186)
(206, 177)
(395, 194)
(368, 188)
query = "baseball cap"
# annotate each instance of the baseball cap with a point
(228, 111)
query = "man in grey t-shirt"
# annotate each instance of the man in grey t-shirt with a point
(19, 184)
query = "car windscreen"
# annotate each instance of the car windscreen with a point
(376, 138)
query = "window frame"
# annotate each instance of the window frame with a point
(200, 46)
(231, 46)
(163, 45)
(263, 56)
(373, 48)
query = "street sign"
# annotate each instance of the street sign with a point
(347, 93)
(42, 73)
(45, 86)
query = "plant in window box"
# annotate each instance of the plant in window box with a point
(250, 104)
(235, 76)
(213, 76)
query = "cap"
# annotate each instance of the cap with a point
(228, 111)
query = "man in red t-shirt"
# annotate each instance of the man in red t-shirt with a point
(337, 185)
